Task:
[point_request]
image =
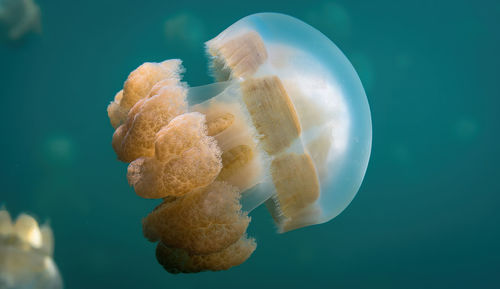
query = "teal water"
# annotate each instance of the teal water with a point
(425, 217)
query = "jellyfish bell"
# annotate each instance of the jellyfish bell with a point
(327, 116)
(26, 251)
(287, 123)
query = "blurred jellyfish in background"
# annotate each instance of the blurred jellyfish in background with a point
(466, 128)
(401, 154)
(404, 60)
(58, 150)
(19, 17)
(335, 21)
(184, 29)
(26, 252)
(56, 154)
(288, 124)
(331, 18)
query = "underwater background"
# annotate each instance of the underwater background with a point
(426, 216)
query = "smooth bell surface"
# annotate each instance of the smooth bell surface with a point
(329, 99)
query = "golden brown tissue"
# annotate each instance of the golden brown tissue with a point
(198, 159)
(236, 57)
(202, 230)
(138, 86)
(204, 221)
(136, 137)
(180, 261)
(184, 159)
(172, 156)
(297, 187)
(272, 112)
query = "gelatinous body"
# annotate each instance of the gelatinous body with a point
(287, 124)
(26, 254)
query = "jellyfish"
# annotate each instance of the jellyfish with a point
(26, 251)
(18, 17)
(184, 29)
(286, 124)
